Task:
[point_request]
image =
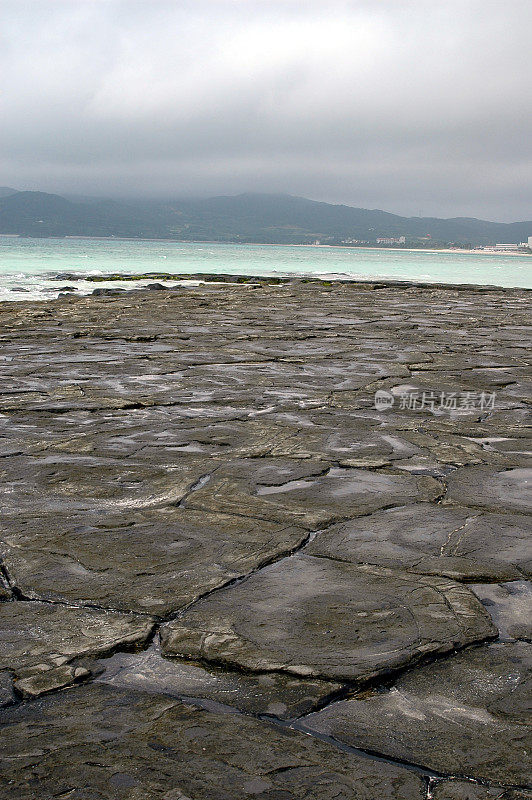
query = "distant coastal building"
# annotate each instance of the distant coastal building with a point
(506, 247)
(391, 240)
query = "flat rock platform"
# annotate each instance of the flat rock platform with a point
(268, 540)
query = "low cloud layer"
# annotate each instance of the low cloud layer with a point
(414, 107)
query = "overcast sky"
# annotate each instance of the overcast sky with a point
(412, 106)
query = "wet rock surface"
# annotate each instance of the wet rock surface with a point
(206, 466)
(321, 618)
(38, 637)
(6, 689)
(510, 607)
(4, 591)
(454, 541)
(266, 491)
(461, 790)
(151, 561)
(463, 716)
(272, 694)
(509, 489)
(133, 745)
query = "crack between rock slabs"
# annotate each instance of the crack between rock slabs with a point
(8, 581)
(215, 706)
(430, 776)
(441, 497)
(118, 647)
(370, 755)
(18, 595)
(386, 680)
(328, 466)
(447, 543)
(296, 523)
(505, 512)
(351, 688)
(457, 445)
(94, 409)
(431, 783)
(241, 578)
(202, 481)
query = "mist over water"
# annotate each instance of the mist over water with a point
(28, 266)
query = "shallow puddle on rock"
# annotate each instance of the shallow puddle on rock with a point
(267, 694)
(509, 605)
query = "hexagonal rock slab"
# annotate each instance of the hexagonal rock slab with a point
(154, 561)
(38, 638)
(282, 696)
(321, 618)
(503, 490)
(263, 490)
(100, 742)
(462, 716)
(432, 539)
(60, 483)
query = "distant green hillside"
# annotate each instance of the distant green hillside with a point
(247, 218)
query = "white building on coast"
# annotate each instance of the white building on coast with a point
(391, 240)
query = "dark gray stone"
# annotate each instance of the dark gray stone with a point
(66, 483)
(37, 637)
(50, 680)
(510, 607)
(502, 490)
(157, 445)
(462, 790)
(107, 292)
(6, 689)
(153, 560)
(263, 491)
(464, 716)
(100, 743)
(277, 695)
(441, 540)
(320, 618)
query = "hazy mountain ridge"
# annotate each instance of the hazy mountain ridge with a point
(247, 217)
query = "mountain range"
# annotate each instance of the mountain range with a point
(261, 218)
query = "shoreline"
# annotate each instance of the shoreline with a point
(453, 250)
(197, 280)
(243, 279)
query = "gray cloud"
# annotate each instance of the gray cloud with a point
(412, 107)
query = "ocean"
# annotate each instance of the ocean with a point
(28, 266)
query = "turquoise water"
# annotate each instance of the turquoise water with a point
(26, 265)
